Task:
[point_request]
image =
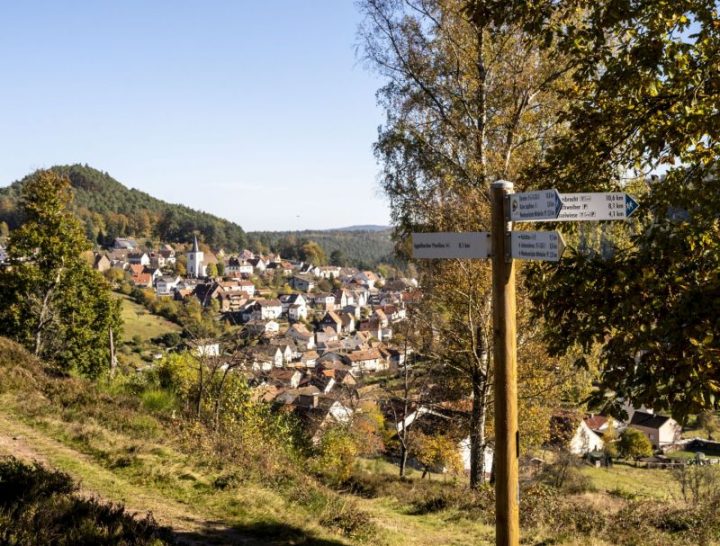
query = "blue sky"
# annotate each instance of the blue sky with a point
(259, 112)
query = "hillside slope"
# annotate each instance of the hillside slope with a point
(109, 210)
(122, 451)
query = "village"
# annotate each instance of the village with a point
(323, 345)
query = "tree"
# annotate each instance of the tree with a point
(437, 452)
(337, 257)
(709, 422)
(4, 230)
(211, 270)
(645, 87)
(610, 441)
(50, 299)
(311, 252)
(471, 97)
(634, 444)
(336, 454)
(220, 268)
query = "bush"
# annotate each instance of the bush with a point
(336, 455)
(634, 444)
(38, 506)
(158, 401)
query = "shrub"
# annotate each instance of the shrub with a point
(336, 455)
(38, 506)
(634, 444)
(158, 400)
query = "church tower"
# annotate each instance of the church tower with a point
(195, 261)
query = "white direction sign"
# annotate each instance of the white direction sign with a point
(595, 206)
(535, 206)
(446, 245)
(537, 245)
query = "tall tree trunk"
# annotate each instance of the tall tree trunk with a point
(403, 459)
(478, 418)
(44, 318)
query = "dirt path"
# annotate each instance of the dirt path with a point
(24, 442)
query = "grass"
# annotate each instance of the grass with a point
(138, 321)
(648, 483)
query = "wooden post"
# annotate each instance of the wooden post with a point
(507, 487)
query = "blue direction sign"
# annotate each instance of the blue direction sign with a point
(535, 206)
(579, 207)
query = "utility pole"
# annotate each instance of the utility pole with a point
(507, 448)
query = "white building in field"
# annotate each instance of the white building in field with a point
(195, 257)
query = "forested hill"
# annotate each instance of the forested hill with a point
(109, 210)
(363, 249)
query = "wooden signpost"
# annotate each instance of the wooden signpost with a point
(506, 246)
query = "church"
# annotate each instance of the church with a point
(195, 267)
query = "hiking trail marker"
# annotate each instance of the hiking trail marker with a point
(447, 245)
(504, 245)
(583, 207)
(536, 245)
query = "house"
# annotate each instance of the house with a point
(258, 264)
(141, 258)
(291, 299)
(154, 272)
(369, 360)
(297, 312)
(570, 432)
(238, 286)
(380, 317)
(168, 254)
(267, 309)
(344, 297)
(232, 302)
(304, 339)
(258, 327)
(283, 268)
(372, 327)
(348, 322)
(325, 302)
(366, 278)
(661, 430)
(266, 358)
(600, 423)
(240, 266)
(308, 359)
(125, 243)
(325, 413)
(101, 263)
(303, 283)
(394, 313)
(141, 279)
(285, 378)
(331, 320)
(325, 336)
(166, 284)
(329, 272)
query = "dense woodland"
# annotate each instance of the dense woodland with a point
(108, 209)
(362, 248)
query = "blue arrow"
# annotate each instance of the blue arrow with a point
(630, 205)
(559, 205)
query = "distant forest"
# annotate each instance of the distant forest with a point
(109, 210)
(363, 249)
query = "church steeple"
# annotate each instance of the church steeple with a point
(195, 260)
